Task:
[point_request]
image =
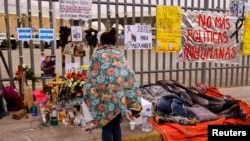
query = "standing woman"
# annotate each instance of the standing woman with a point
(110, 87)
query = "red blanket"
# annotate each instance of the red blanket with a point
(199, 132)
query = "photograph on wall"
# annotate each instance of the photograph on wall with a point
(76, 33)
(48, 66)
(68, 49)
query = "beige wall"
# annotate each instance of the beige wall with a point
(34, 20)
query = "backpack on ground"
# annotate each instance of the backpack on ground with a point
(12, 98)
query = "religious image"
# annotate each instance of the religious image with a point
(76, 33)
(48, 66)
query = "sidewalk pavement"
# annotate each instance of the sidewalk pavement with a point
(241, 93)
(30, 129)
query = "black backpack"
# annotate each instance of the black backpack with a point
(3, 107)
(12, 98)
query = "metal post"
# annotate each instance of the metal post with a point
(1, 82)
(40, 14)
(10, 71)
(54, 24)
(51, 24)
(32, 61)
(203, 71)
(108, 16)
(72, 24)
(19, 22)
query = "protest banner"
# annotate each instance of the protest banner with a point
(209, 36)
(75, 9)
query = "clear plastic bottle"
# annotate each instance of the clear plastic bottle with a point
(146, 125)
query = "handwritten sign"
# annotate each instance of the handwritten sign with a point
(138, 37)
(75, 9)
(246, 39)
(168, 25)
(207, 36)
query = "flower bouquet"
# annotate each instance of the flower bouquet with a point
(74, 82)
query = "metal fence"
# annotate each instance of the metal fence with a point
(149, 65)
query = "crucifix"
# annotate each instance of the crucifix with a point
(20, 77)
(57, 83)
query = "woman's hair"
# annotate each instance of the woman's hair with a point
(109, 37)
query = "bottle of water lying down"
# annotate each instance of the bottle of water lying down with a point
(146, 125)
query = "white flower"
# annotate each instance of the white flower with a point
(24, 65)
(75, 83)
(70, 84)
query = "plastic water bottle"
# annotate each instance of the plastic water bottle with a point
(146, 125)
